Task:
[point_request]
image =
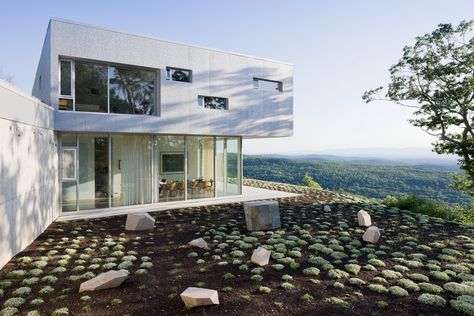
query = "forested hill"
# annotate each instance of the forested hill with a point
(375, 181)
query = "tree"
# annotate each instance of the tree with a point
(309, 182)
(435, 76)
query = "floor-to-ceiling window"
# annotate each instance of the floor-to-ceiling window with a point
(200, 169)
(228, 166)
(171, 167)
(69, 172)
(111, 170)
(93, 188)
(132, 181)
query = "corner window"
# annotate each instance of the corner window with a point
(99, 87)
(215, 103)
(267, 85)
(178, 74)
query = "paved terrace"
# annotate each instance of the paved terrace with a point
(248, 194)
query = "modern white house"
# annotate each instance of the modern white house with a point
(118, 121)
(141, 120)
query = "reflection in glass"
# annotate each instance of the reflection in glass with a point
(132, 91)
(69, 183)
(200, 167)
(176, 74)
(214, 103)
(233, 166)
(65, 78)
(131, 170)
(93, 172)
(170, 154)
(91, 87)
(267, 85)
(228, 166)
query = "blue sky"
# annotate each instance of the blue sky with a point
(339, 49)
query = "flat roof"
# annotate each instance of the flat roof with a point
(168, 41)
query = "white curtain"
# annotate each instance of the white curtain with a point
(136, 170)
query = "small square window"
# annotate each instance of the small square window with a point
(178, 74)
(215, 103)
(267, 85)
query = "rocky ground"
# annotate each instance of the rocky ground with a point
(319, 265)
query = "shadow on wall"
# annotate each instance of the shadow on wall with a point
(251, 112)
(28, 161)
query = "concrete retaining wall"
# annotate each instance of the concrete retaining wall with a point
(28, 170)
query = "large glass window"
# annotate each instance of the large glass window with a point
(200, 167)
(170, 154)
(228, 166)
(132, 91)
(131, 170)
(103, 170)
(99, 87)
(90, 87)
(93, 171)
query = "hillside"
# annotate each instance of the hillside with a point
(371, 180)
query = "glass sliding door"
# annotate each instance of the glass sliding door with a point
(228, 166)
(171, 167)
(69, 172)
(200, 167)
(233, 165)
(131, 170)
(93, 189)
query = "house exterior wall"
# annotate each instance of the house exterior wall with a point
(28, 170)
(251, 113)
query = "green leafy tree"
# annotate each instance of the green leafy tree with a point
(309, 182)
(435, 76)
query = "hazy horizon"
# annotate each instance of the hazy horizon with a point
(339, 50)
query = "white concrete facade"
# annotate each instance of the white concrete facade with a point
(251, 113)
(28, 173)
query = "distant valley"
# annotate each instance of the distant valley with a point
(368, 176)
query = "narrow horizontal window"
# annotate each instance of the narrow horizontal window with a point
(215, 103)
(267, 85)
(66, 104)
(178, 74)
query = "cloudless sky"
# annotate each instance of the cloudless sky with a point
(339, 50)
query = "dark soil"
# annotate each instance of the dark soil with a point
(157, 291)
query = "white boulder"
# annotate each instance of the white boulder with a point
(262, 215)
(199, 242)
(195, 296)
(327, 208)
(372, 235)
(139, 221)
(260, 256)
(103, 281)
(364, 218)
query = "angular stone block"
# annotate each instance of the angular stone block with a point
(262, 215)
(139, 221)
(372, 235)
(103, 281)
(364, 218)
(327, 208)
(195, 296)
(260, 256)
(199, 242)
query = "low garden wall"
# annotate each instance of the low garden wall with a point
(28, 170)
